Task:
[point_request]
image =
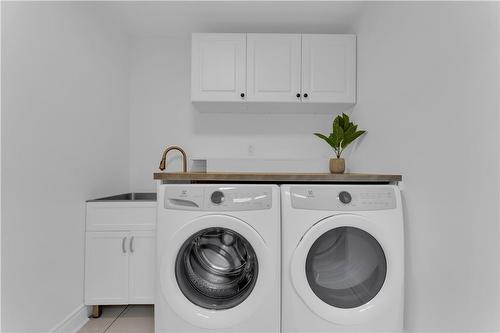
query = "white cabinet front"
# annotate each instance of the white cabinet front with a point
(113, 216)
(273, 67)
(329, 68)
(106, 268)
(142, 267)
(218, 70)
(119, 267)
(261, 67)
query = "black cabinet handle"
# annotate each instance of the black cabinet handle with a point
(305, 95)
(242, 95)
(298, 95)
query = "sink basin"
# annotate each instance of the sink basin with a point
(133, 196)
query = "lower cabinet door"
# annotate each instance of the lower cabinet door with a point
(106, 267)
(142, 248)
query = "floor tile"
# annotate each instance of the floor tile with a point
(135, 319)
(99, 325)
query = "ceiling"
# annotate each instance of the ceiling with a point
(144, 18)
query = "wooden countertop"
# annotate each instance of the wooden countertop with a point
(206, 177)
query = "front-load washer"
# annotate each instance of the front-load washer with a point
(218, 258)
(343, 258)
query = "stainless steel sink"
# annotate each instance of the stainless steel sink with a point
(133, 196)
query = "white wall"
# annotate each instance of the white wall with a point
(427, 76)
(428, 81)
(64, 140)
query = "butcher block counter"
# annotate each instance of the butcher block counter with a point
(276, 178)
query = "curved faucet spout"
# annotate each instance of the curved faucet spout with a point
(163, 162)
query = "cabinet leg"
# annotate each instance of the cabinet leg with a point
(96, 311)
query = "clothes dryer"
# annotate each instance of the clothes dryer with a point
(343, 258)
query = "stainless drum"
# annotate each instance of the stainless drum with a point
(216, 268)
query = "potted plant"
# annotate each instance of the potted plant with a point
(344, 132)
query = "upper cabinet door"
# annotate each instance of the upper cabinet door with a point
(218, 67)
(329, 68)
(273, 67)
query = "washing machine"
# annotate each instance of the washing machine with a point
(343, 258)
(218, 258)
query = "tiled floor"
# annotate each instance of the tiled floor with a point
(122, 319)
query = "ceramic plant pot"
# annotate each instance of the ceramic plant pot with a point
(337, 165)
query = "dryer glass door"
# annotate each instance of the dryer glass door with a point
(346, 267)
(216, 268)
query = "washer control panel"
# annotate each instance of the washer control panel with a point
(238, 198)
(340, 198)
(218, 198)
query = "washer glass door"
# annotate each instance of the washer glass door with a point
(216, 268)
(346, 267)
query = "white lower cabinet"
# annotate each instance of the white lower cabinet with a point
(119, 267)
(120, 264)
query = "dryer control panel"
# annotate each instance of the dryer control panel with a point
(218, 198)
(343, 198)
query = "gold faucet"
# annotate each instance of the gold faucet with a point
(163, 162)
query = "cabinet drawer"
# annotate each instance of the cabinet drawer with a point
(118, 216)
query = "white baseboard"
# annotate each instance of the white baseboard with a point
(74, 321)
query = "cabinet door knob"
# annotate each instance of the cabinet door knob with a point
(306, 95)
(242, 95)
(298, 95)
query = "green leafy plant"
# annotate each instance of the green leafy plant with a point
(344, 132)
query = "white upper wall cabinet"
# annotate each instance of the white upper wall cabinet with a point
(273, 67)
(296, 68)
(329, 68)
(218, 70)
